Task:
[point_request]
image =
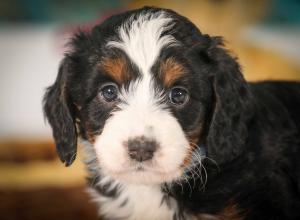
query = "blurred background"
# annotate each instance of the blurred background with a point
(264, 34)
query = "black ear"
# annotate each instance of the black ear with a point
(59, 111)
(227, 130)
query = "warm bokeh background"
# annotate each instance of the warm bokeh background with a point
(264, 34)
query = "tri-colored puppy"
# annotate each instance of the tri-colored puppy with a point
(170, 128)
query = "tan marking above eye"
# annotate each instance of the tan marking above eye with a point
(170, 71)
(116, 68)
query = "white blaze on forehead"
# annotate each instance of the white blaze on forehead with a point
(141, 38)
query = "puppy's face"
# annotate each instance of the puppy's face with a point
(148, 103)
(138, 95)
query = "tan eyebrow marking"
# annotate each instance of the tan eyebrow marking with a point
(170, 71)
(117, 68)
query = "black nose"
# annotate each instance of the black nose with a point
(141, 148)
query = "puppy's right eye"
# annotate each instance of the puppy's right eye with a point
(109, 92)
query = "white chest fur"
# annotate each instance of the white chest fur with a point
(135, 202)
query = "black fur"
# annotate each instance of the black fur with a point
(59, 109)
(251, 130)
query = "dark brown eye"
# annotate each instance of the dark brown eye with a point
(109, 92)
(178, 96)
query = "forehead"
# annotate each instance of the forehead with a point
(142, 38)
(122, 70)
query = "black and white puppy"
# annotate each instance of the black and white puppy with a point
(170, 128)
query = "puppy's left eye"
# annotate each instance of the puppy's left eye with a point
(178, 96)
(109, 92)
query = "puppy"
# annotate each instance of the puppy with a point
(170, 128)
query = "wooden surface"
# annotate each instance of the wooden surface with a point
(34, 185)
(58, 203)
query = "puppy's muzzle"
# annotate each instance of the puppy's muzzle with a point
(141, 149)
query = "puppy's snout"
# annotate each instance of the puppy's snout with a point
(141, 148)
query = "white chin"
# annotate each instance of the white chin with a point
(145, 176)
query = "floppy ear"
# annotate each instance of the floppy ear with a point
(227, 131)
(59, 111)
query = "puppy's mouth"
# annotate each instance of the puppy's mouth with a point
(141, 173)
(142, 159)
(144, 175)
(140, 168)
(143, 164)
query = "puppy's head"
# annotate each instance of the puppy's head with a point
(146, 88)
